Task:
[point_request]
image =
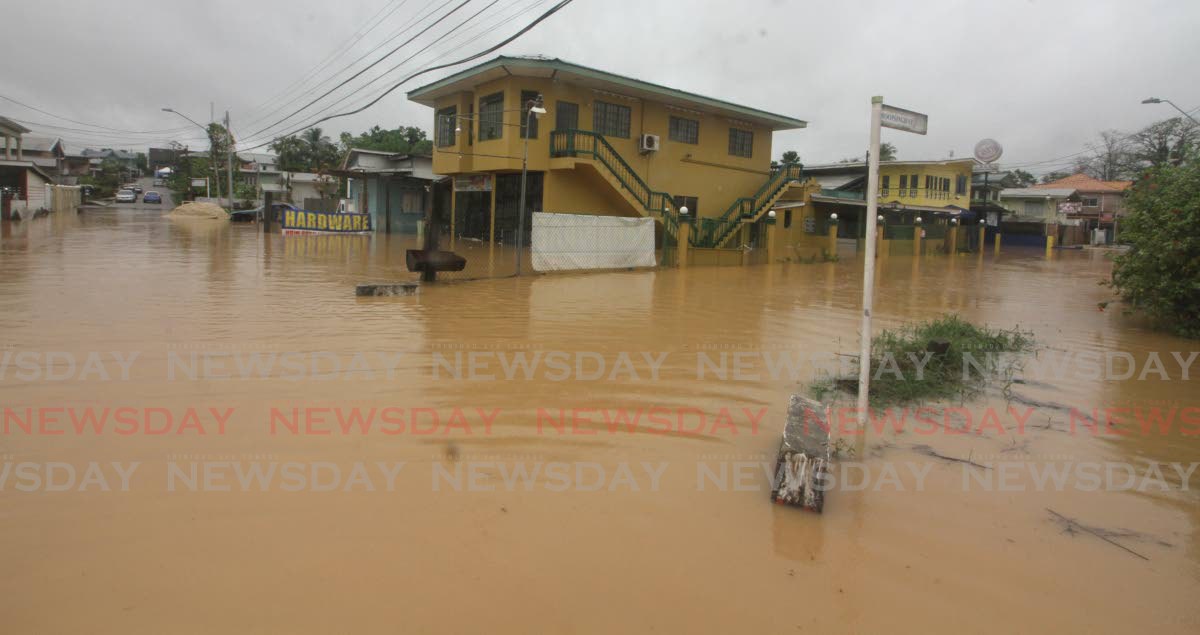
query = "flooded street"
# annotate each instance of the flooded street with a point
(666, 527)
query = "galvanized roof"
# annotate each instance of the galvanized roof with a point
(559, 69)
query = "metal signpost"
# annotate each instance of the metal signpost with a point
(899, 119)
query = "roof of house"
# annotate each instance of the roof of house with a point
(1085, 183)
(9, 124)
(40, 144)
(1036, 192)
(567, 71)
(29, 165)
(858, 166)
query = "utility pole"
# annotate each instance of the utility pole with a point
(229, 159)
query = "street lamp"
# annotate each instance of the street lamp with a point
(1156, 100)
(535, 107)
(186, 117)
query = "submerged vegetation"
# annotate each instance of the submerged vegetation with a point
(939, 359)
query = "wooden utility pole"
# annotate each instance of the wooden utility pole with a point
(267, 213)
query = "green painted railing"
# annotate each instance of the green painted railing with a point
(575, 143)
(750, 206)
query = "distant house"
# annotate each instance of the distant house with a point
(390, 187)
(47, 153)
(934, 191)
(1031, 214)
(22, 182)
(1101, 202)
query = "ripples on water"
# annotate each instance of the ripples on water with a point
(679, 558)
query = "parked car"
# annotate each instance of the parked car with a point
(126, 196)
(152, 197)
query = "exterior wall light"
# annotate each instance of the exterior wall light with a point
(917, 220)
(683, 211)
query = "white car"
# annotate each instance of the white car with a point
(126, 196)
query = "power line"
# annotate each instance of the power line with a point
(545, 15)
(488, 29)
(428, 46)
(339, 50)
(421, 16)
(83, 123)
(369, 67)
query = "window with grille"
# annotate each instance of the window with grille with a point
(566, 116)
(491, 117)
(691, 202)
(887, 180)
(447, 119)
(741, 143)
(611, 120)
(684, 130)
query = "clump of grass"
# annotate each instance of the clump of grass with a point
(940, 359)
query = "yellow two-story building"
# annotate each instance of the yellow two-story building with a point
(604, 145)
(935, 192)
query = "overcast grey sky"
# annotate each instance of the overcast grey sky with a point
(1042, 77)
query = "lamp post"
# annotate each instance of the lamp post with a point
(1156, 100)
(533, 107)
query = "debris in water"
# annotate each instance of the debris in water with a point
(803, 459)
(1070, 525)
(199, 210)
(928, 451)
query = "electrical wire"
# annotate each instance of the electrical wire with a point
(528, 27)
(368, 67)
(440, 38)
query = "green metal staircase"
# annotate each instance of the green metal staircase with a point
(710, 232)
(587, 144)
(748, 209)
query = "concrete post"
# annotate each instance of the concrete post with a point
(685, 235)
(952, 247)
(982, 237)
(832, 248)
(20, 149)
(997, 243)
(880, 249)
(771, 238)
(1049, 245)
(916, 241)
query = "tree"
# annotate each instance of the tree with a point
(887, 152)
(1054, 176)
(1110, 158)
(1160, 274)
(791, 157)
(292, 152)
(1023, 178)
(402, 140)
(1163, 142)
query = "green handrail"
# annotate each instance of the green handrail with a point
(752, 205)
(585, 142)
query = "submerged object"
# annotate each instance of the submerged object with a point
(387, 288)
(802, 464)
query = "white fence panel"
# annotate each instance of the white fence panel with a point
(564, 242)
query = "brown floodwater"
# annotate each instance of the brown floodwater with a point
(636, 531)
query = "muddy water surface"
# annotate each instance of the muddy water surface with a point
(663, 524)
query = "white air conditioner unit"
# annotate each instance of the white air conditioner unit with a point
(650, 143)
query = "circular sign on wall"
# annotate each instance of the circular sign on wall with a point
(988, 150)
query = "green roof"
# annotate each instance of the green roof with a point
(426, 94)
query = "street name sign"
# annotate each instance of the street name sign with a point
(901, 119)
